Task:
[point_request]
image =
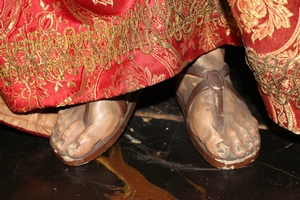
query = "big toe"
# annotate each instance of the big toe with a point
(72, 149)
(78, 149)
(217, 147)
(222, 150)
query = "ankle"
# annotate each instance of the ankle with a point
(212, 60)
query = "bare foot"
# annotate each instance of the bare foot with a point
(231, 138)
(80, 128)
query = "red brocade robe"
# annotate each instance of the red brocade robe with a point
(55, 53)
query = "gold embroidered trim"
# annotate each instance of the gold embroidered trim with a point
(278, 71)
(40, 54)
(277, 77)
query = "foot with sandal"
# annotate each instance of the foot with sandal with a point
(218, 121)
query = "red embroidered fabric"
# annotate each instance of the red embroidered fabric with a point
(63, 52)
(271, 33)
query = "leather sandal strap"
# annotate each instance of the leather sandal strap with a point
(87, 113)
(121, 103)
(199, 71)
(213, 79)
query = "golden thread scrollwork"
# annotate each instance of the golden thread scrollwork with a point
(277, 77)
(278, 70)
(47, 52)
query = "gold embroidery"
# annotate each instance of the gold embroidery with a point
(292, 120)
(278, 71)
(41, 59)
(277, 76)
(103, 2)
(46, 52)
(262, 17)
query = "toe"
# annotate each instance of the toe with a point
(256, 141)
(72, 149)
(216, 146)
(87, 139)
(66, 128)
(238, 149)
(80, 147)
(244, 132)
(60, 145)
(79, 139)
(63, 115)
(222, 150)
(64, 125)
(54, 139)
(254, 132)
(69, 136)
(72, 131)
(66, 133)
(234, 141)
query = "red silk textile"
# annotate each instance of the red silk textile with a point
(63, 52)
(271, 33)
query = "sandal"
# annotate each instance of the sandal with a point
(213, 80)
(127, 108)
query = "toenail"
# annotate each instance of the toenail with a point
(241, 151)
(249, 146)
(72, 148)
(256, 141)
(59, 144)
(223, 150)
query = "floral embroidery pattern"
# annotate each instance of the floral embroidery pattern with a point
(134, 78)
(9, 14)
(48, 18)
(262, 17)
(58, 52)
(278, 73)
